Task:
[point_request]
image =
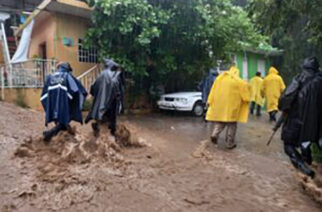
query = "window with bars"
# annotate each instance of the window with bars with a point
(88, 55)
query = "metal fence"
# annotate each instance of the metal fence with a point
(28, 74)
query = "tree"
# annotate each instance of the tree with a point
(294, 26)
(169, 42)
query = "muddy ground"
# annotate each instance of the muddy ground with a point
(177, 169)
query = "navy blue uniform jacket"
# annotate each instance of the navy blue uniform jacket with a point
(63, 97)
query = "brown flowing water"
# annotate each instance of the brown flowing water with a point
(157, 163)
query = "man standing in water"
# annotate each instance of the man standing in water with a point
(272, 88)
(107, 93)
(228, 104)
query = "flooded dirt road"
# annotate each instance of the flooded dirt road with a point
(178, 171)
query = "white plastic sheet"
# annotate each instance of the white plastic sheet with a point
(21, 54)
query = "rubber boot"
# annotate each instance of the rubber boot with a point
(252, 106)
(52, 132)
(306, 152)
(297, 160)
(96, 129)
(272, 116)
(258, 110)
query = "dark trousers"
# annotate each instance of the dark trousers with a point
(272, 115)
(298, 160)
(109, 117)
(253, 105)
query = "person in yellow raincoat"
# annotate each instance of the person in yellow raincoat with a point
(256, 97)
(272, 88)
(228, 104)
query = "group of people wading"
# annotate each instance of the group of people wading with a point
(300, 103)
(63, 97)
(228, 99)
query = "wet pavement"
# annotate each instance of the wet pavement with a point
(186, 129)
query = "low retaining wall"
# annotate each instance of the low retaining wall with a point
(25, 97)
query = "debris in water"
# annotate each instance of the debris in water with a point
(202, 152)
(58, 171)
(313, 187)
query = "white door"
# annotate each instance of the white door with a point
(261, 67)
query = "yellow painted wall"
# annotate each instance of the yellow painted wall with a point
(43, 31)
(52, 28)
(75, 28)
(29, 96)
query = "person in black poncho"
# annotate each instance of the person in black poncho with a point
(107, 93)
(301, 104)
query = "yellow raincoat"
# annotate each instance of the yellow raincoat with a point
(228, 99)
(255, 94)
(272, 88)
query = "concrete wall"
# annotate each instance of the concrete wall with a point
(30, 97)
(71, 27)
(43, 32)
(52, 28)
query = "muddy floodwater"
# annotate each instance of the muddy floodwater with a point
(169, 165)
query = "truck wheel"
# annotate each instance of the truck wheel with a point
(198, 109)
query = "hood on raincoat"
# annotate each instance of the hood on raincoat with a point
(64, 67)
(311, 63)
(110, 64)
(272, 70)
(234, 71)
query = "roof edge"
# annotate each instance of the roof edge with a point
(34, 14)
(43, 5)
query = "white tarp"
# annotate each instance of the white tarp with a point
(4, 16)
(21, 54)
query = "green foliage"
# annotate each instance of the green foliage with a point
(294, 26)
(169, 42)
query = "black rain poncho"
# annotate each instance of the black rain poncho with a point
(302, 102)
(105, 90)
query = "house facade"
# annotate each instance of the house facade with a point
(59, 27)
(58, 31)
(251, 61)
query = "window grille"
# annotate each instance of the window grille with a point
(86, 55)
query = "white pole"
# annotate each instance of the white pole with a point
(5, 43)
(7, 53)
(2, 83)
